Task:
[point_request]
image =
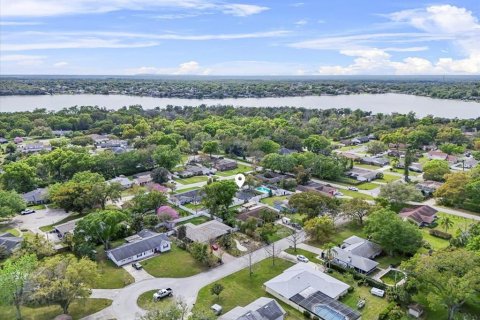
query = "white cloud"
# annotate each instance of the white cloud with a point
(60, 64)
(19, 23)
(80, 43)
(297, 4)
(301, 22)
(47, 8)
(22, 59)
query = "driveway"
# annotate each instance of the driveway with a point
(39, 218)
(138, 275)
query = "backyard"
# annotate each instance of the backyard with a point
(176, 263)
(392, 277)
(241, 288)
(196, 221)
(389, 178)
(240, 169)
(271, 200)
(191, 180)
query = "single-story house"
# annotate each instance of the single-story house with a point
(141, 174)
(285, 151)
(37, 196)
(3, 141)
(61, 133)
(324, 189)
(261, 309)
(255, 212)
(420, 215)
(99, 138)
(206, 232)
(349, 155)
(143, 246)
(270, 177)
(428, 187)
(123, 181)
(359, 140)
(374, 161)
(225, 164)
(439, 155)
(305, 288)
(17, 140)
(10, 242)
(155, 186)
(357, 253)
(246, 195)
(36, 147)
(109, 144)
(192, 196)
(64, 228)
(143, 180)
(191, 171)
(362, 174)
(469, 163)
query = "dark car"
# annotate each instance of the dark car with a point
(137, 265)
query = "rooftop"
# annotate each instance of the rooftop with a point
(206, 231)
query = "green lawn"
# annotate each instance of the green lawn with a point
(271, 200)
(191, 180)
(145, 300)
(176, 263)
(310, 255)
(196, 221)
(386, 261)
(8, 228)
(111, 276)
(401, 171)
(356, 194)
(240, 169)
(368, 186)
(37, 207)
(392, 277)
(342, 233)
(367, 166)
(241, 289)
(66, 219)
(348, 148)
(280, 233)
(194, 206)
(78, 309)
(185, 190)
(389, 178)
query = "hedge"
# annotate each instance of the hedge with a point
(440, 234)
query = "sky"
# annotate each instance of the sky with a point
(251, 37)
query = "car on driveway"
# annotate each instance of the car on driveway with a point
(302, 258)
(352, 188)
(162, 293)
(296, 226)
(137, 266)
(27, 211)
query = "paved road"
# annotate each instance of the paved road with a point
(124, 306)
(459, 213)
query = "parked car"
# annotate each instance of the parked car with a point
(215, 246)
(137, 265)
(302, 258)
(338, 194)
(352, 188)
(162, 293)
(27, 211)
(296, 226)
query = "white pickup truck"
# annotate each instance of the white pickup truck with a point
(162, 293)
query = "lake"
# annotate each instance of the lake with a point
(377, 103)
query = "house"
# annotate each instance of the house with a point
(324, 189)
(270, 177)
(255, 213)
(469, 163)
(358, 254)
(428, 187)
(285, 151)
(61, 133)
(360, 140)
(99, 138)
(193, 196)
(415, 310)
(361, 174)
(195, 170)
(17, 140)
(3, 141)
(207, 231)
(305, 288)
(110, 144)
(68, 227)
(246, 195)
(35, 147)
(439, 155)
(146, 244)
(10, 242)
(374, 161)
(225, 164)
(143, 180)
(37, 196)
(123, 181)
(261, 309)
(420, 215)
(349, 155)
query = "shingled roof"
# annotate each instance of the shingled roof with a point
(420, 214)
(132, 249)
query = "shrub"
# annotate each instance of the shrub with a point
(383, 315)
(306, 314)
(440, 234)
(351, 289)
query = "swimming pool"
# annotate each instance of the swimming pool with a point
(263, 189)
(327, 313)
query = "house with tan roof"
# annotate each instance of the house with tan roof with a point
(420, 215)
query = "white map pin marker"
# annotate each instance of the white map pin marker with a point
(239, 180)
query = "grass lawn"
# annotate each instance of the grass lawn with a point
(366, 166)
(348, 148)
(78, 309)
(356, 194)
(389, 178)
(368, 186)
(342, 233)
(241, 289)
(196, 221)
(310, 255)
(111, 276)
(410, 173)
(280, 233)
(392, 277)
(185, 190)
(271, 200)
(66, 219)
(37, 207)
(240, 169)
(296, 217)
(386, 261)
(191, 180)
(145, 300)
(8, 228)
(176, 263)
(373, 305)
(194, 206)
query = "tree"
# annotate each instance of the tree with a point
(445, 222)
(302, 175)
(294, 238)
(376, 147)
(176, 310)
(211, 147)
(19, 176)
(399, 193)
(392, 233)
(219, 196)
(14, 278)
(144, 202)
(453, 191)
(320, 229)
(435, 170)
(101, 226)
(329, 253)
(312, 203)
(167, 157)
(277, 162)
(268, 215)
(106, 192)
(317, 144)
(64, 278)
(446, 278)
(160, 175)
(356, 209)
(216, 289)
(11, 203)
(35, 244)
(264, 145)
(451, 148)
(199, 252)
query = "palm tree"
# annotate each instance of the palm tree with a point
(446, 222)
(329, 253)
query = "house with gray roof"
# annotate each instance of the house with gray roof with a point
(37, 196)
(35, 147)
(123, 181)
(375, 161)
(361, 174)
(207, 231)
(68, 227)
(145, 245)
(261, 309)
(10, 242)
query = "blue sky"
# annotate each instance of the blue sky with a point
(209, 37)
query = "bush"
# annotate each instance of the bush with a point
(351, 289)
(440, 234)
(306, 314)
(383, 315)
